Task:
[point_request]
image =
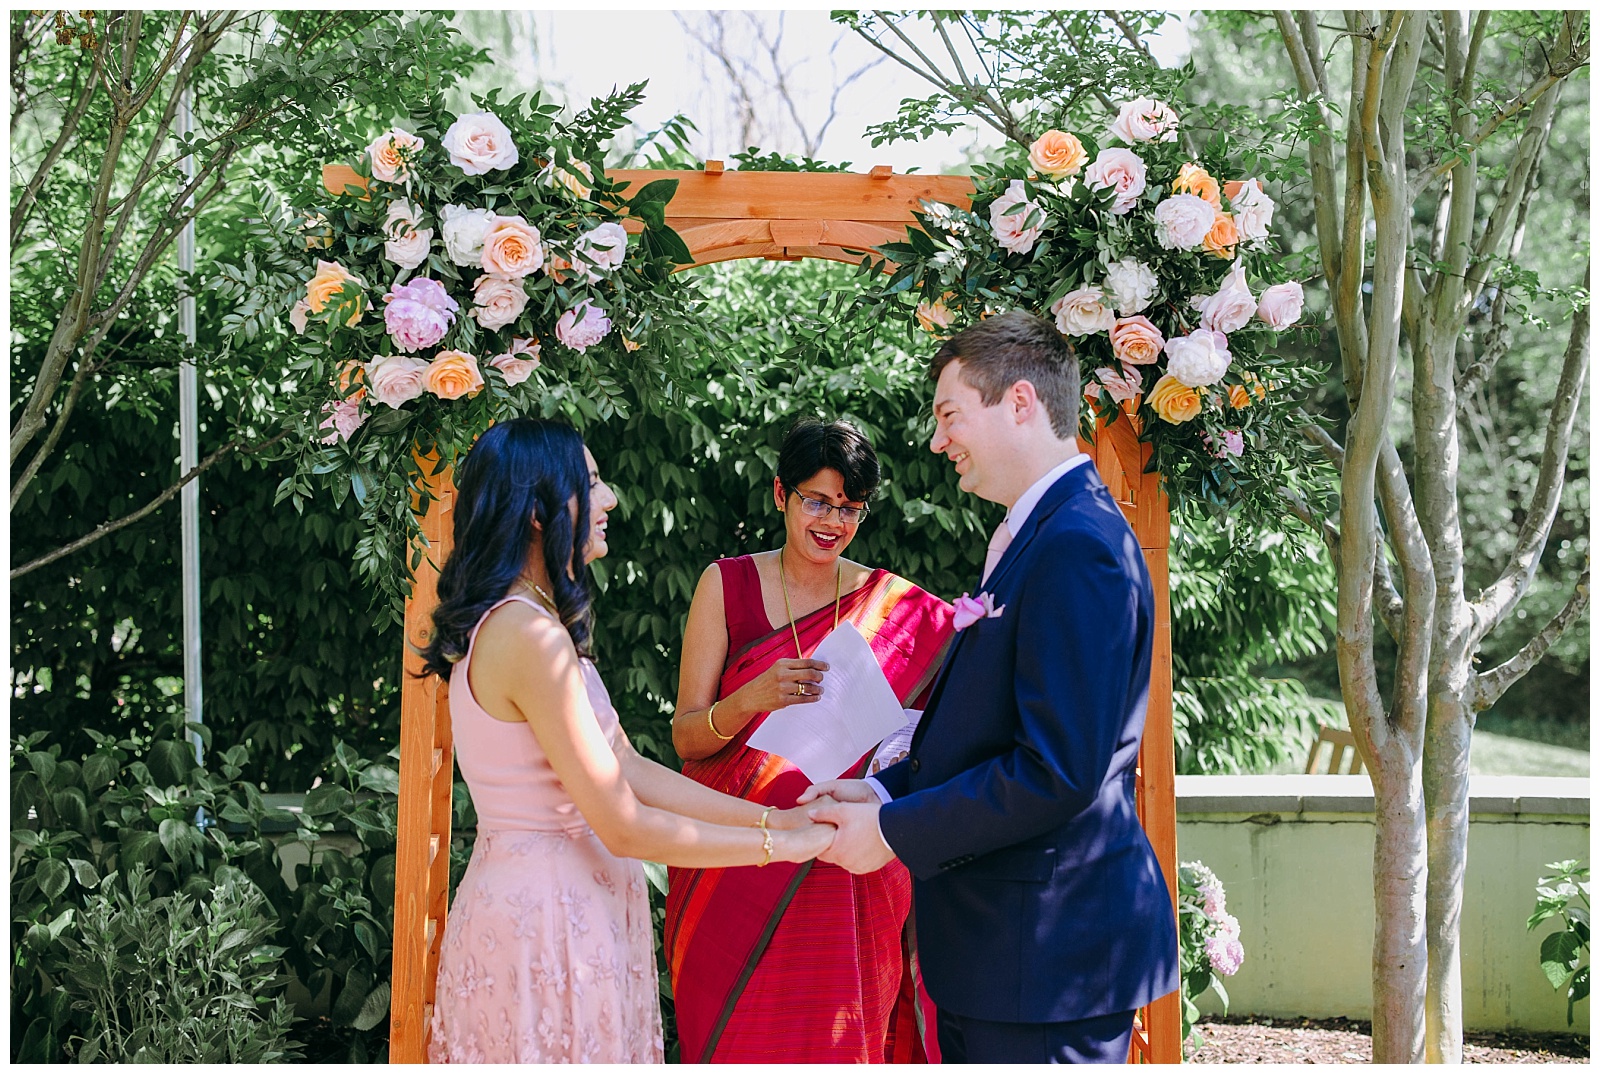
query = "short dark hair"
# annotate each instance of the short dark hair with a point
(997, 352)
(811, 446)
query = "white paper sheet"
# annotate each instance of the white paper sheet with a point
(857, 711)
(896, 746)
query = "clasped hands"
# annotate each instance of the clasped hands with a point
(851, 807)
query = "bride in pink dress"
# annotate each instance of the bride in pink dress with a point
(547, 954)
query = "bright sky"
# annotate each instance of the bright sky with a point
(581, 54)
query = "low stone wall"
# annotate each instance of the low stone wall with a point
(1295, 855)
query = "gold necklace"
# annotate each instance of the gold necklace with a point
(544, 598)
(838, 579)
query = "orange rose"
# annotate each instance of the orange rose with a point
(1238, 398)
(1222, 238)
(1173, 401)
(1058, 155)
(1257, 389)
(351, 373)
(452, 374)
(326, 285)
(1193, 179)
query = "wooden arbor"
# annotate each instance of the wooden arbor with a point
(724, 216)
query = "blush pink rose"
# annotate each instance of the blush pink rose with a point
(518, 363)
(1122, 171)
(512, 248)
(1123, 385)
(499, 302)
(342, 417)
(396, 379)
(418, 314)
(1145, 120)
(1183, 221)
(1008, 217)
(1252, 210)
(1282, 304)
(1082, 312)
(582, 326)
(1136, 341)
(1231, 308)
(478, 142)
(385, 154)
(297, 316)
(601, 247)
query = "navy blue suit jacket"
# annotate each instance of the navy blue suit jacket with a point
(1036, 894)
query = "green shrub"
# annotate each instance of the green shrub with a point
(1564, 954)
(1208, 941)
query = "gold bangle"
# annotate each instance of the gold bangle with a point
(766, 847)
(765, 813)
(712, 723)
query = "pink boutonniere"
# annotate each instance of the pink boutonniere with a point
(970, 609)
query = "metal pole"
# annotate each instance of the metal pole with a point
(188, 456)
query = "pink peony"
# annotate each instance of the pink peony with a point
(1252, 210)
(1008, 217)
(1231, 308)
(1216, 902)
(1122, 171)
(385, 155)
(418, 314)
(1282, 304)
(1183, 221)
(1145, 120)
(478, 142)
(343, 417)
(582, 326)
(1225, 953)
(499, 302)
(518, 363)
(1136, 341)
(1123, 386)
(395, 378)
(1198, 359)
(1082, 312)
(512, 248)
(1233, 442)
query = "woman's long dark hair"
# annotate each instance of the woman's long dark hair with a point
(518, 471)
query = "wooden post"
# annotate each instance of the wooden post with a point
(723, 216)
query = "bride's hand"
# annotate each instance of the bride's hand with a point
(780, 820)
(802, 844)
(786, 682)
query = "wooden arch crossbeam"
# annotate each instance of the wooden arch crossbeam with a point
(723, 216)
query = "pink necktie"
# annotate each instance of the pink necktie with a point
(997, 548)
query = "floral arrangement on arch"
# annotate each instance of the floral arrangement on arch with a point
(1208, 939)
(488, 269)
(1157, 263)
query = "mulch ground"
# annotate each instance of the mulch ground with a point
(1250, 1039)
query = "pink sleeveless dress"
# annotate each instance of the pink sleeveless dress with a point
(547, 954)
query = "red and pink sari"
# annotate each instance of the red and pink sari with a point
(803, 963)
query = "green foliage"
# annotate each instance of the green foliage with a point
(1208, 942)
(1563, 954)
(176, 979)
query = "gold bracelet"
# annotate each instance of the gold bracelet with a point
(765, 813)
(766, 847)
(712, 723)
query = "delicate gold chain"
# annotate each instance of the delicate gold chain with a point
(545, 598)
(838, 579)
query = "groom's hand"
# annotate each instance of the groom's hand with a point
(840, 790)
(858, 845)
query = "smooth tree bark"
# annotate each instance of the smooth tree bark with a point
(1388, 302)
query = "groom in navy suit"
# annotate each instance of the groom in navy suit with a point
(1042, 917)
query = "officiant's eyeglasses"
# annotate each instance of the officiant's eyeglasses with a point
(822, 509)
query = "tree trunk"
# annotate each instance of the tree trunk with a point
(1399, 943)
(1445, 767)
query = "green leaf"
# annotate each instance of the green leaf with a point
(374, 1009)
(380, 778)
(99, 769)
(53, 877)
(656, 873)
(177, 838)
(1558, 957)
(84, 873)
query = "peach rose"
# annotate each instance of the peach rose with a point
(1238, 397)
(1136, 341)
(385, 154)
(518, 363)
(351, 372)
(396, 378)
(499, 302)
(1223, 237)
(1173, 402)
(1193, 179)
(512, 248)
(566, 177)
(935, 317)
(1058, 155)
(1122, 171)
(1082, 312)
(452, 374)
(325, 286)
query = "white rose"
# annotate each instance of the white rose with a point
(1082, 312)
(1008, 215)
(1282, 304)
(1199, 358)
(1183, 221)
(601, 247)
(407, 243)
(478, 142)
(464, 230)
(1132, 286)
(1145, 120)
(1252, 211)
(1231, 308)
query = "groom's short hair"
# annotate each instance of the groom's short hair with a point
(997, 352)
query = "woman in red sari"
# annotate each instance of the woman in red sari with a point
(795, 964)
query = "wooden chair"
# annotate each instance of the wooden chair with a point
(1338, 742)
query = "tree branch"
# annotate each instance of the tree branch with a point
(1516, 191)
(1491, 685)
(1495, 603)
(107, 528)
(69, 127)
